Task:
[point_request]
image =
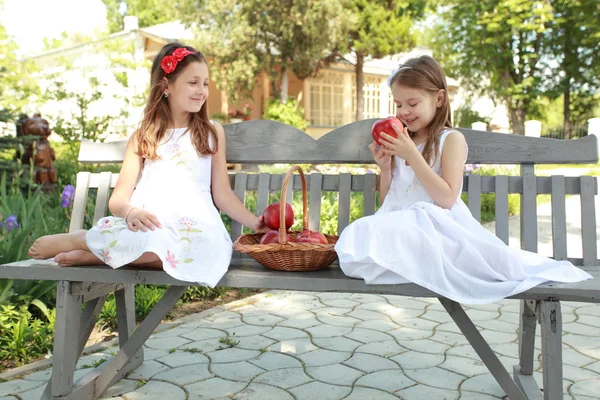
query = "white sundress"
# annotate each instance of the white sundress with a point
(193, 243)
(410, 239)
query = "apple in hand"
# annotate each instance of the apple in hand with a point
(385, 126)
(272, 237)
(308, 236)
(271, 216)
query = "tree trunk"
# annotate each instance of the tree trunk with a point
(284, 85)
(517, 121)
(567, 113)
(360, 81)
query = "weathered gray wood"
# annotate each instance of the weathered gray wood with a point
(249, 274)
(255, 142)
(67, 327)
(588, 221)
(551, 332)
(81, 193)
(314, 201)
(559, 218)
(474, 196)
(91, 290)
(501, 205)
(289, 193)
(344, 202)
(527, 324)
(89, 316)
(262, 195)
(527, 384)
(102, 196)
(529, 236)
(114, 368)
(106, 153)
(125, 302)
(483, 349)
(370, 181)
(330, 183)
(240, 192)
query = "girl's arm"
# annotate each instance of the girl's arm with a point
(385, 180)
(222, 194)
(443, 190)
(132, 165)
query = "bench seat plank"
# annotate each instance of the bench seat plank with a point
(247, 273)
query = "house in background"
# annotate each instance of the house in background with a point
(329, 98)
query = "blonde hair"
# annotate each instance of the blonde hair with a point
(157, 115)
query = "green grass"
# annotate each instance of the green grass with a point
(547, 169)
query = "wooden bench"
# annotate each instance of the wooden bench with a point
(265, 142)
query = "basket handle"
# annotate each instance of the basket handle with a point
(284, 186)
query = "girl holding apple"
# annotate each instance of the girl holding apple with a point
(423, 232)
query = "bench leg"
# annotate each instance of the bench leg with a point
(66, 330)
(95, 383)
(551, 330)
(523, 373)
(483, 349)
(125, 301)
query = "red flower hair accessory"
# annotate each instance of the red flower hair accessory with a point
(169, 63)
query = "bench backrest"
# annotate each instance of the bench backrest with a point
(267, 142)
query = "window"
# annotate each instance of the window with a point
(371, 97)
(327, 99)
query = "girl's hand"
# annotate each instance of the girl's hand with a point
(383, 161)
(259, 226)
(402, 147)
(139, 219)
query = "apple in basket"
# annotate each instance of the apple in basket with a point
(308, 236)
(385, 126)
(272, 237)
(271, 216)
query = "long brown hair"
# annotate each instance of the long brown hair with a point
(157, 115)
(425, 73)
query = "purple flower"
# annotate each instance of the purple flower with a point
(10, 223)
(67, 196)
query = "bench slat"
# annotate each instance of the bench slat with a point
(559, 218)
(240, 192)
(369, 194)
(501, 204)
(248, 273)
(529, 236)
(474, 196)
(79, 201)
(102, 196)
(344, 202)
(314, 201)
(262, 195)
(588, 221)
(289, 194)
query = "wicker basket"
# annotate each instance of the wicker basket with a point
(289, 256)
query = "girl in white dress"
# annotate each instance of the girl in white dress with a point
(423, 232)
(166, 220)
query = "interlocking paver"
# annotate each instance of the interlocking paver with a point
(276, 345)
(321, 391)
(336, 374)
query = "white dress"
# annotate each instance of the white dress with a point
(410, 239)
(193, 243)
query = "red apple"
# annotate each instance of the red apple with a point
(385, 126)
(271, 216)
(308, 236)
(272, 237)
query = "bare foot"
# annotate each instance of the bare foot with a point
(77, 257)
(51, 245)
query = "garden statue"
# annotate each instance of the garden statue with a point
(43, 156)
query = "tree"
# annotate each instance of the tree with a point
(574, 44)
(16, 84)
(495, 46)
(378, 28)
(294, 35)
(149, 12)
